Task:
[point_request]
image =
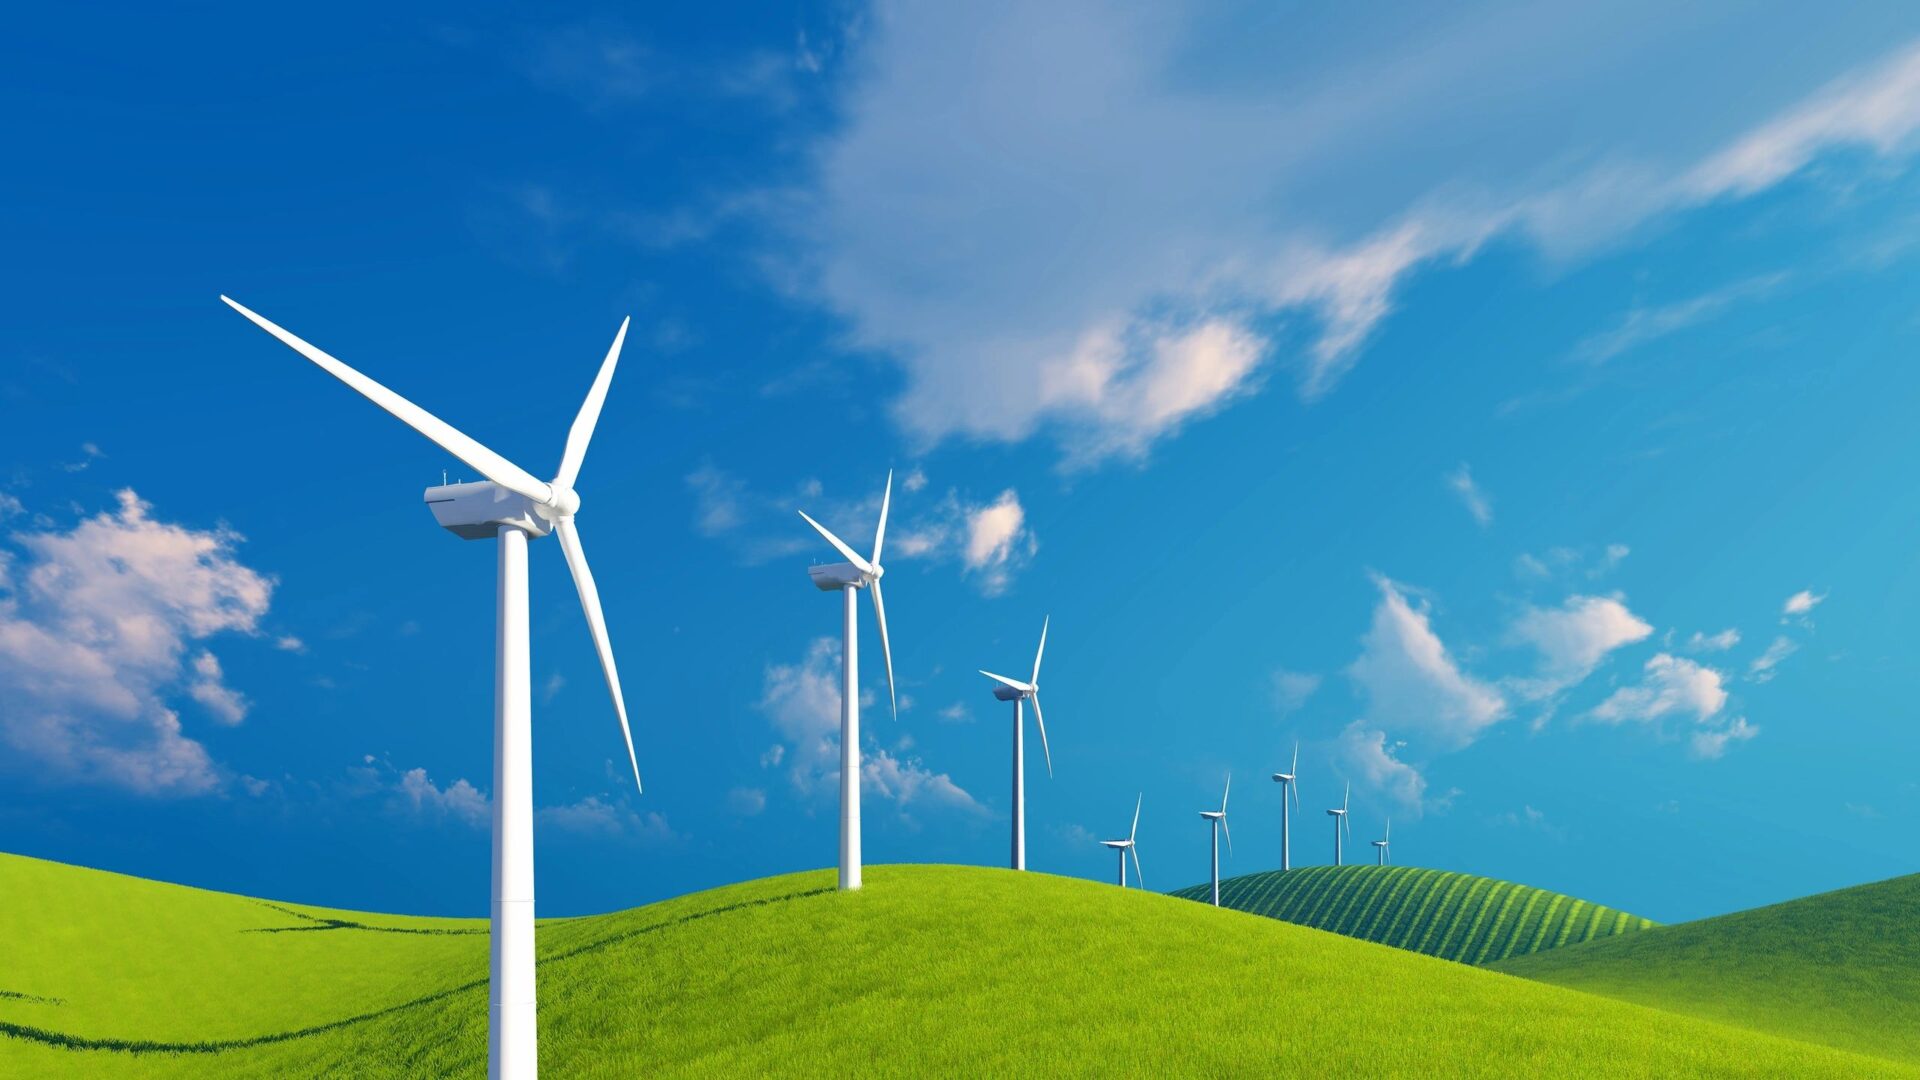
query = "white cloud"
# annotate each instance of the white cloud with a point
(1672, 686)
(1720, 642)
(1712, 742)
(1291, 689)
(948, 218)
(1461, 482)
(94, 636)
(1642, 323)
(802, 700)
(289, 643)
(595, 815)
(746, 801)
(1802, 602)
(956, 713)
(1410, 681)
(459, 801)
(1366, 751)
(1574, 638)
(1762, 668)
(915, 479)
(550, 689)
(998, 541)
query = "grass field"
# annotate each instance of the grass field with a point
(929, 970)
(1841, 968)
(1437, 912)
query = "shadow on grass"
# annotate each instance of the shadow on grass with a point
(317, 923)
(15, 995)
(214, 1046)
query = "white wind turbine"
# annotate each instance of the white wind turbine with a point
(1288, 788)
(1124, 846)
(511, 505)
(1382, 843)
(846, 578)
(1219, 820)
(1340, 822)
(1019, 692)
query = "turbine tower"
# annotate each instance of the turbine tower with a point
(846, 578)
(1124, 846)
(1288, 788)
(1383, 842)
(1340, 822)
(1219, 820)
(510, 506)
(1018, 693)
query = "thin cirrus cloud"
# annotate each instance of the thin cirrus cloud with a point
(950, 218)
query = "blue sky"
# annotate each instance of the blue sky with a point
(1510, 404)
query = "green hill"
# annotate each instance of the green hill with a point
(929, 970)
(1438, 912)
(1841, 968)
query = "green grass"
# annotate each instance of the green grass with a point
(1463, 917)
(929, 970)
(1841, 968)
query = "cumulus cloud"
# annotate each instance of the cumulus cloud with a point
(1461, 482)
(1670, 686)
(948, 217)
(1367, 751)
(458, 802)
(802, 701)
(1720, 642)
(1574, 638)
(1290, 690)
(1801, 603)
(97, 632)
(1411, 683)
(596, 815)
(1712, 742)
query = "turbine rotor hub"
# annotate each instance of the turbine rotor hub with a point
(564, 500)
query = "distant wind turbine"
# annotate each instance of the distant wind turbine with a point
(1340, 822)
(1124, 846)
(1219, 820)
(1288, 788)
(1383, 842)
(1019, 693)
(510, 506)
(847, 578)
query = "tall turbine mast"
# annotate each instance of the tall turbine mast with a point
(1288, 789)
(1019, 693)
(511, 506)
(1382, 843)
(1339, 823)
(847, 578)
(1218, 819)
(1122, 847)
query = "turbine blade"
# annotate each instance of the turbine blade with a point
(1041, 651)
(1294, 788)
(597, 626)
(582, 430)
(880, 532)
(1003, 680)
(1042, 722)
(1136, 817)
(886, 651)
(444, 435)
(839, 545)
(1138, 874)
(1346, 798)
(1224, 794)
(1295, 769)
(1225, 829)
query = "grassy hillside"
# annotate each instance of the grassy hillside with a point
(1454, 916)
(927, 971)
(1841, 968)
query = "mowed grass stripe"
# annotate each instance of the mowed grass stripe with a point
(1442, 913)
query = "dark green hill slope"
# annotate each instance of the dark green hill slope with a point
(1841, 968)
(1438, 912)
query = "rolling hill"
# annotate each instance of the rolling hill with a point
(1437, 912)
(1841, 968)
(928, 970)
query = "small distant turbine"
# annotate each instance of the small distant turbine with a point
(848, 578)
(1340, 822)
(1019, 692)
(1219, 820)
(1288, 788)
(1124, 846)
(1383, 842)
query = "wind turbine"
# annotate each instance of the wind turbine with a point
(1219, 820)
(1019, 692)
(1286, 779)
(1124, 846)
(848, 577)
(510, 505)
(1339, 822)
(1383, 842)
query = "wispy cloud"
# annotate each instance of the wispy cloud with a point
(1573, 639)
(1412, 683)
(1461, 482)
(1289, 690)
(1643, 324)
(1762, 668)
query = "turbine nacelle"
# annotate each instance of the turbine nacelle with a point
(476, 510)
(1009, 693)
(832, 577)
